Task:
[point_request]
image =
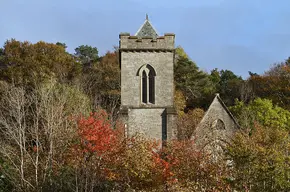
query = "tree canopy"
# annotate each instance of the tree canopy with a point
(60, 128)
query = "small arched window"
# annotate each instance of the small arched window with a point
(144, 87)
(147, 74)
(218, 124)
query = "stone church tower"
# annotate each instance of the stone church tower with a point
(147, 88)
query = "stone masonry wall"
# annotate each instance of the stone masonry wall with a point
(133, 42)
(162, 62)
(146, 121)
(206, 132)
(149, 119)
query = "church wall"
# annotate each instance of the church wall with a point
(206, 132)
(151, 122)
(155, 119)
(162, 62)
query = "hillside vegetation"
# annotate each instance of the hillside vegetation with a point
(60, 130)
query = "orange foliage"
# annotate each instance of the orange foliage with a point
(97, 135)
(139, 162)
(275, 87)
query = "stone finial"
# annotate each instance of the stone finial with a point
(147, 17)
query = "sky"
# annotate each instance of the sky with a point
(238, 35)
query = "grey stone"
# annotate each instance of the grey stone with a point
(216, 127)
(158, 52)
(158, 120)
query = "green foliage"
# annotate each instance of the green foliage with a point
(87, 54)
(43, 88)
(180, 53)
(262, 111)
(193, 82)
(261, 161)
(1, 53)
(6, 184)
(227, 84)
(199, 87)
(61, 44)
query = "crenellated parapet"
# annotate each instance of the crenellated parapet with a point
(134, 43)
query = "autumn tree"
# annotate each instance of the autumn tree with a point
(193, 170)
(27, 63)
(260, 161)
(36, 128)
(61, 44)
(273, 84)
(106, 160)
(179, 102)
(102, 83)
(98, 152)
(187, 123)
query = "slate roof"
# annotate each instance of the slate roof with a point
(147, 30)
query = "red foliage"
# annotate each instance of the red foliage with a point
(163, 165)
(97, 133)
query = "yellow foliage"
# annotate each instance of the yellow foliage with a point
(180, 102)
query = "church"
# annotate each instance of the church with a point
(147, 89)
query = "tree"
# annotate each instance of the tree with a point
(102, 83)
(260, 161)
(86, 54)
(180, 53)
(98, 151)
(187, 123)
(179, 102)
(28, 63)
(108, 161)
(273, 84)
(61, 44)
(262, 111)
(194, 83)
(1, 53)
(227, 84)
(194, 170)
(36, 127)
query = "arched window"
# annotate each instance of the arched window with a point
(218, 124)
(144, 87)
(147, 75)
(151, 87)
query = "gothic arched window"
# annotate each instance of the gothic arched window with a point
(151, 87)
(147, 75)
(144, 87)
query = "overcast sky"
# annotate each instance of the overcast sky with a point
(239, 35)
